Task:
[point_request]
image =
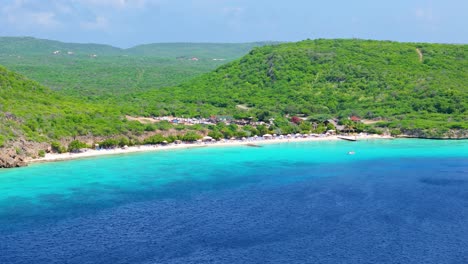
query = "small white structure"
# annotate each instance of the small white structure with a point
(267, 136)
(56, 52)
(207, 138)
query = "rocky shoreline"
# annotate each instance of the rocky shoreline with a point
(9, 158)
(21, 153)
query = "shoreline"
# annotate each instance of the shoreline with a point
(90, 153)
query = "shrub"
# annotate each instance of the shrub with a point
(109, 143)
(123, 141)
(395, 132)
(156, 139)
(216, 134)
(41, 153)
(76, 145)
(56, 147)
(191, 136)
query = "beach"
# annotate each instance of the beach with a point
(88, 153)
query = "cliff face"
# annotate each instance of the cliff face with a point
(9, 158)
(435, 134)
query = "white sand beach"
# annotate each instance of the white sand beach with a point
(51, 157)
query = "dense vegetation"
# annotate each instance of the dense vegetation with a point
(406, 85)
(30, 111)
(27, 46)
(101, 72)
(106, 77)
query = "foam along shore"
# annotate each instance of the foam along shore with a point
(50, 157)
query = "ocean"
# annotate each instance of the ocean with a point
(393, 201)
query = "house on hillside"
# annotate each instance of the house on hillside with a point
(56, 52)
(355, 119)
(194, 59)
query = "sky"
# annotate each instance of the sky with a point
(125, 23)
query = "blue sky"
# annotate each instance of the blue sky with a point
(126, 23)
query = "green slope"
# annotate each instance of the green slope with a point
(23, 46)
(106, 76)
(113, 72)
(32, 112)
(371, 79)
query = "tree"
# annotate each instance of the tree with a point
(216, 134)
(191, 136)
(76, 145)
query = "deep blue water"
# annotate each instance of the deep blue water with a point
(400, 201)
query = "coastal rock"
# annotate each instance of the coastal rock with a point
(10, 159)
(435, 134)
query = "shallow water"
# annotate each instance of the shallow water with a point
(395, 201)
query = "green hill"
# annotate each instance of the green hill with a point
(23, 46)
(102, 71)
(32, 112)
(411, 86)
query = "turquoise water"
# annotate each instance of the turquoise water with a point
(220, 205)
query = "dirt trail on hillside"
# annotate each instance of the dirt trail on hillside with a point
(420, 55)
(143, 120)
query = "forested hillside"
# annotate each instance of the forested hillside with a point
(102, 72)
(32, 112)
(412, 86)
(23, 46)
(107, 77)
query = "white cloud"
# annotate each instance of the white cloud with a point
(233, 11)
(99, 23)
(17, 13)
(424, 14)
(46, 19)
(117, 4)
(233, 17)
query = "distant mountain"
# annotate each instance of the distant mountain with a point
(22, 46)
(93, 70)
(408, 86)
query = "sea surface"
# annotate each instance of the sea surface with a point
(394, 201)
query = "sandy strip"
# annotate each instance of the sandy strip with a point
(134, 149)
